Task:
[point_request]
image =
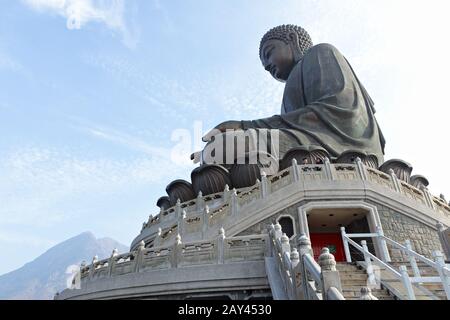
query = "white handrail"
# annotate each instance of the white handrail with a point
(334, 294)
(439, 266)
(357, 246)
(313, 268)
(403, 276)
(429, 262)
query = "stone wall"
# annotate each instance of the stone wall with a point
(399, 227)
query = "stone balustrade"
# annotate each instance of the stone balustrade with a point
(203, 216)
(302, 278)
(221, 250)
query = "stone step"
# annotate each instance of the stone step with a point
(357, 288)
(379, 298)
(355, 294)
(353, 276)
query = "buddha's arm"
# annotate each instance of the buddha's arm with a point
(278, 121)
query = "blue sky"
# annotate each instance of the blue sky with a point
(93, 94)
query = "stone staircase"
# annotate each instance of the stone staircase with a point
(353, 278)
(426, 271)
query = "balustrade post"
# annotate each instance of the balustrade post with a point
(271, 232)
(93, 266)
(112, 262)
(412, 260)
(234, 203)
(329, 275)
(205, 221)
(226, 194)
(181, 223)
(382, 244)
(304, 245)
(428, 197)
(221, 246)
(285, 246)
(178, 209)
(150, 217)
(445, 278)
(295, 171)
(304, 248)
(295, 259)
(348, 257)
(264, 185)
(138, 256)
(199, 203)
(407, 283)
(158, 239)
(79, 275)
(175, 251)
(277, 231)
(368, 261)
(361, 168)
(395, 181)
(329, 170)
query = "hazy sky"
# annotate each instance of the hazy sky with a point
(92, 93)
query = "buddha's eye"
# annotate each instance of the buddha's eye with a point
(268, 53)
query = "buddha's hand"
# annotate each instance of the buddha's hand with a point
(223, 127)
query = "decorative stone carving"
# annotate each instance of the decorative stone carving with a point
(180, 189)
(210, 178)
(304, 155)
(402, 169)
(326, 260)
(419, 182)
(163, 203)
(350, 157)
(366, 294)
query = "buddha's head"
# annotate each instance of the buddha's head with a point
(281, 48)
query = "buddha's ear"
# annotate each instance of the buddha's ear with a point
(294, 43)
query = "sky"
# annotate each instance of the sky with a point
(95, 95)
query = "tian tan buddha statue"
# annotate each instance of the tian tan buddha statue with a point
(325, 113)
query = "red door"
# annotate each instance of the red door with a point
(332, 241)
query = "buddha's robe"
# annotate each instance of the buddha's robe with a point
(325, 105)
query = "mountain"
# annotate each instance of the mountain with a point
(41, 278)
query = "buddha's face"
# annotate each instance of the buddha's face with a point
(278, 59)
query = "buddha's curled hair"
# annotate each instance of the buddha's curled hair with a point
(282, 33)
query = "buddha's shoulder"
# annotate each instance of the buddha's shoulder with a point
(322, 48)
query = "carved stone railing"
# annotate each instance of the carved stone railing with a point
(220, 250)
(302, 278)
(206, 214)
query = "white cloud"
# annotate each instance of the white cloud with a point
(80, 12)
(38, 183)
